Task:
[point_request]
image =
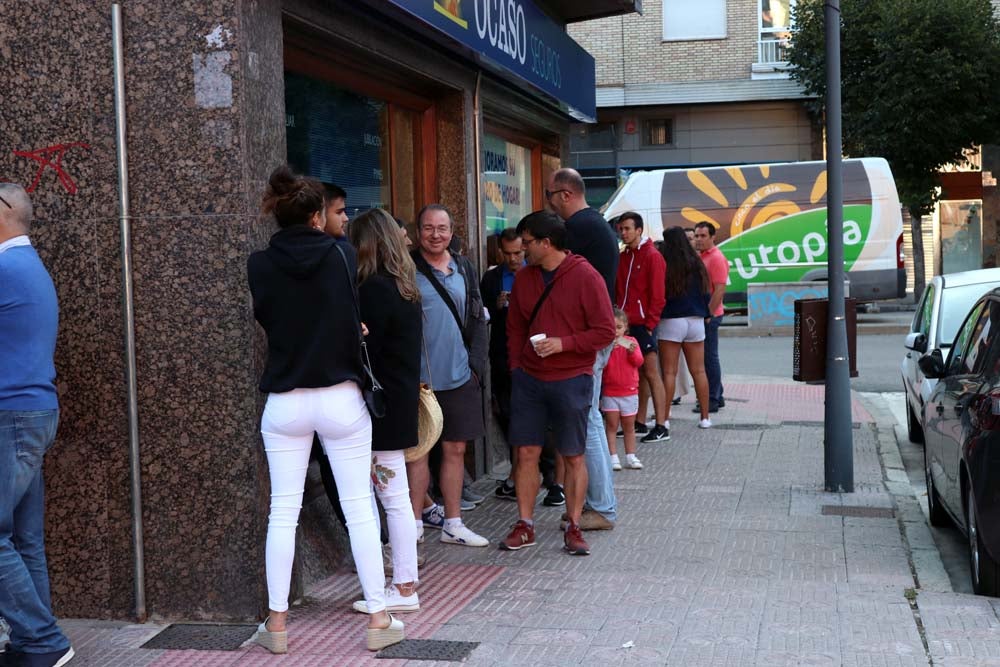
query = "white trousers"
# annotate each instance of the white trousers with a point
(389, 479)
(338, 414)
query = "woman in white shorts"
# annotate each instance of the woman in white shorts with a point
(682, 323)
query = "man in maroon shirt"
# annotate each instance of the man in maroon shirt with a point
(557, 321)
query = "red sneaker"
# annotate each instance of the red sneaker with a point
(573, 541)
(522, 535)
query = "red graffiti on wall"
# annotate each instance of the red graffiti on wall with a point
(51, 157)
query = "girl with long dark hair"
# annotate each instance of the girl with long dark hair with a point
(682, 322)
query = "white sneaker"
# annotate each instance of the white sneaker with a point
(616, 463)
(705, 423)
(632, 461)
(395, 602)
(464, 536)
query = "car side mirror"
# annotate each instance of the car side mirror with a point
(916, 341)
(932, 364)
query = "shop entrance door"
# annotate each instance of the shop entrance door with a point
(961, 235)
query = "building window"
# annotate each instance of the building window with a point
(365, 145)
(507, 181)
(658, 132)
(687, 20)
(775, 19)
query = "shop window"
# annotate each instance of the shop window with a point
(507, 183)
(658, 132)
(686, 20)
(365, 145)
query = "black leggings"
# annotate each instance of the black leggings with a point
(330, 485)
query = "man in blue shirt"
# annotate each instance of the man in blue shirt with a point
(29, 414)
(452, 365)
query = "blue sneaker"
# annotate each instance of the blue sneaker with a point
(433, 517)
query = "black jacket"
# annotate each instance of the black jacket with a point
(302, 297)
(394, 330)
(490, 287)
(473, 320)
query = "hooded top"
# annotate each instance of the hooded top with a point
(303, 297)
(639, 289)
(575, 311)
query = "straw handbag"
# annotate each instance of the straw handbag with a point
(430, 420)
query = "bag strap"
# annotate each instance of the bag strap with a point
(366, 362)
(425, 269)
(541, 300)
(427, 358)
(352, 281)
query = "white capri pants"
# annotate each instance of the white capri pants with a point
(338, 414)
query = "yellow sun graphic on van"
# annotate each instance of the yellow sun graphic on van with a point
(754, 205)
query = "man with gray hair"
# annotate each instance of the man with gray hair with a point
(29, 414)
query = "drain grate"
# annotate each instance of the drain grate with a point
(202, 637)
(818, 424)
(743, 427)
(429, 649)
(859, 511)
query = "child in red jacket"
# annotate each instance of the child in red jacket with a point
(620, 393)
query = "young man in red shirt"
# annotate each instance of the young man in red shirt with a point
(718, 275)
(557, 321)
(640, 291)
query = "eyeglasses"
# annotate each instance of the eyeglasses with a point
(6, 204)
(528, 241)
(548, 193)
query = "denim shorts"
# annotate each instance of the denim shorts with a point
(562, 405)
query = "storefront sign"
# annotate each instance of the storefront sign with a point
(516, 36)
(506, 183)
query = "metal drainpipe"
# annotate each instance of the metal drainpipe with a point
(476, 146)
(135, 473)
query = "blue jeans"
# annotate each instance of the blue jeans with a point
(25, 601)
(600, 488)
(713, 368)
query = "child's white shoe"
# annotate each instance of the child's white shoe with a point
(616, 463)
(632, 461)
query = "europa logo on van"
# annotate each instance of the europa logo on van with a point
(770, 220)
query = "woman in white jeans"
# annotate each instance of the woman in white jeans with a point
(302, 289)
(390, 307)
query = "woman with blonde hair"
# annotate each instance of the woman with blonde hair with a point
(302, 289)
(390, 307)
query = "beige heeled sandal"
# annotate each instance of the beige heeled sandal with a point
(275, 642)
(379, 638)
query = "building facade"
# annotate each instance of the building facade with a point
(691, 84)
(401, 103)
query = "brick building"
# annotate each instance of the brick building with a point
(688, 84)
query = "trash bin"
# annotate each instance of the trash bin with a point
(809, 351)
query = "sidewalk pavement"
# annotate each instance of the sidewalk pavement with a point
(727, 552)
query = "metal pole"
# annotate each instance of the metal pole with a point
(838, 445)
(128, 307)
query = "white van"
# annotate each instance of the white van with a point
(770, 220)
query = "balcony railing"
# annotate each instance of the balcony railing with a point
(772, 51)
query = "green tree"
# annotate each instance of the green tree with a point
(920, 83)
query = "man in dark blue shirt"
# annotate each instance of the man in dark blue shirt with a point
(591, 237)
(29, 414)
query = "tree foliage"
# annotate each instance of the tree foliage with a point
(920, 83)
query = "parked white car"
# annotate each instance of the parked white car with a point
(942, 308)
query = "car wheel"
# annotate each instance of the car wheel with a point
(913, 428)
(982, 568)
(938, 517)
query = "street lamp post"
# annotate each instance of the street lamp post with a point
(838, 444)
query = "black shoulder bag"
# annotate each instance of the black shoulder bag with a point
(541, 299)
(372, 391)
